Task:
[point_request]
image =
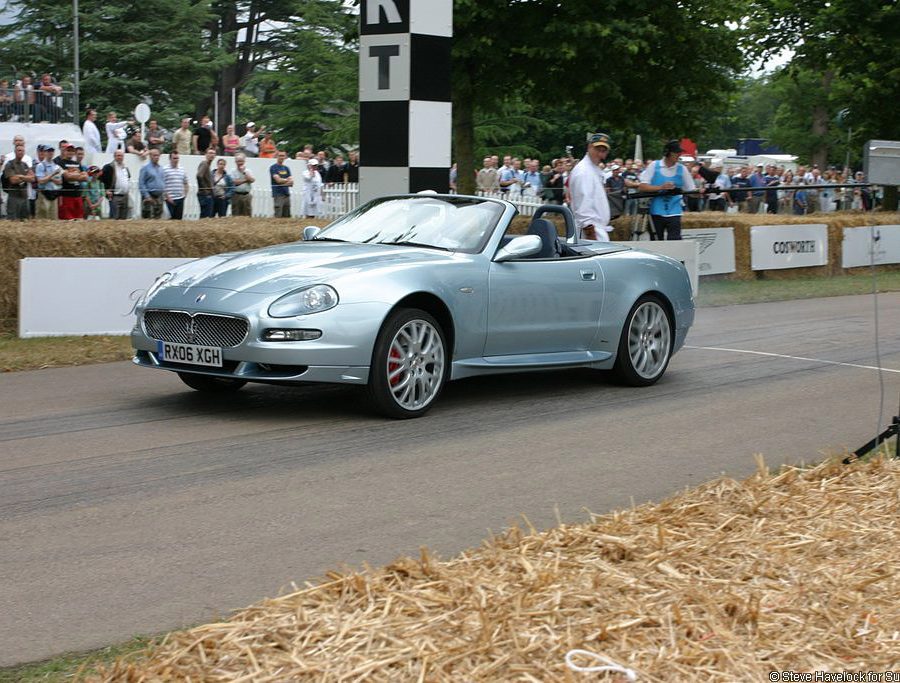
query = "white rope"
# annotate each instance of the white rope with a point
(606, 664)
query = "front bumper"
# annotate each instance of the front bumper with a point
(341, 355)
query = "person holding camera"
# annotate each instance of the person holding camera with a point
(666, 176)
(114, 139)
(152, 185)
(587, 191)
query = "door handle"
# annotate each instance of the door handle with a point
(588, 275)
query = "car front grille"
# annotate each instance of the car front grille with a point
(202, 329)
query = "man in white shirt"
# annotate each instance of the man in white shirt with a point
(250, 141)
(113, 141)
(91, 133)
(588, 192)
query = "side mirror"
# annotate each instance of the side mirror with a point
(310, 232)
(519, 247)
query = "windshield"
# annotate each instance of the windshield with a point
(451, 223)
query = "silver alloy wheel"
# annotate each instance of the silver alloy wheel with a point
(415, 364)
(649, 340)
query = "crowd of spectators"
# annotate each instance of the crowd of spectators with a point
(32, 100)
(743, 189)
(64, 187)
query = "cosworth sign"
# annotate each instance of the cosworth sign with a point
(773, 247)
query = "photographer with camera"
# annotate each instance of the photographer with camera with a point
(667, 176)
(588, 191)
(114, 139)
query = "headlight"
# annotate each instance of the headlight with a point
(314, 299)
(155, 287)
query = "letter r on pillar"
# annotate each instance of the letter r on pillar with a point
(374, 8)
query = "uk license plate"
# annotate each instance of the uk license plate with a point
(190, 354)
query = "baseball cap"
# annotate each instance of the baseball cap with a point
(614, 167)
(672, 147)
(94, 170)
(599, 140)
(68, 145)
(312, 162)
(250, 124)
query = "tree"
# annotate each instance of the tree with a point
(850, 48)
(273, 35)
(308, 92)
(670, 61)
(128, 52)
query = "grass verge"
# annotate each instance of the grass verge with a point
(73, 666)
(729, 292)
(51, 352)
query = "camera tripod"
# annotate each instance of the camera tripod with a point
(642, 227)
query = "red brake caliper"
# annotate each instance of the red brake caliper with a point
(393, 364)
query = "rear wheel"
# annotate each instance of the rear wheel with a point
(646, 343)
(409, 364)
(211, 385)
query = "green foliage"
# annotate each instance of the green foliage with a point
(853, 43)
(308, 91)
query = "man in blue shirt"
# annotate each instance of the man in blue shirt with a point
(756, 197)
(49, 181)
(152, 185)
(532, 183)
(281, 186)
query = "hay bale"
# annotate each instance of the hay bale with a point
(727, 581)
(132, 238)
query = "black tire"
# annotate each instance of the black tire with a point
(645, 346)
(209, 384)
(407, 375)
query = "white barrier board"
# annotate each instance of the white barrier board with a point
(715, 249)
(680, 250)
(857, 249)
(76, 296)
(773, 247)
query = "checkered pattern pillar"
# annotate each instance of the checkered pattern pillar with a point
(404, 96)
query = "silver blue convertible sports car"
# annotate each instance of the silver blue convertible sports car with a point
(409, 292)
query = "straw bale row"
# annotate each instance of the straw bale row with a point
(727, 581)
(133, 238)
(145, 238)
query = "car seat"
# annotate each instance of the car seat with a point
(549, 238)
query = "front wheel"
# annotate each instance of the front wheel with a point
(646, 343)
(211, 385)
(409, 364)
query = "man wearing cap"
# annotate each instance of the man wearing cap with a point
(664, 175)
(250, 141)
(49, 182)
(71, 206)
(588, 192)
(242, 200)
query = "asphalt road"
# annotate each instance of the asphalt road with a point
(131, 505)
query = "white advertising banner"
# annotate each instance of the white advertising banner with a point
(77, 296)
(715, 249)
(861, 244)
(680, 250)
(788, 246)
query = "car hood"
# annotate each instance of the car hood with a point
(285, 267)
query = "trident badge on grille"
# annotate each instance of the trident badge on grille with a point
(191, 331)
